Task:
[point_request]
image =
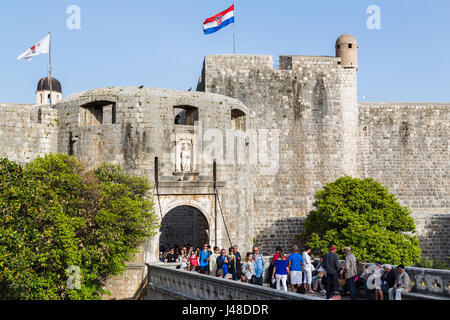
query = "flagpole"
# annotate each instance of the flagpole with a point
(50, 68)
(234, 33)
(234, 39)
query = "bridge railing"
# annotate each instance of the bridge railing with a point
(192, 285)
(166, 279)
(430, 281)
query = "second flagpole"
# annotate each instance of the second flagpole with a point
(50, 68)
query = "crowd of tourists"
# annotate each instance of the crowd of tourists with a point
(298, 272)
(352, 276)
(218, 262)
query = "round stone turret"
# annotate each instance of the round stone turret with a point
(347, 50)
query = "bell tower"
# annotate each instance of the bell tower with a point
(43, 91)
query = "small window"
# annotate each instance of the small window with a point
(39, 115)
(71, 144)
(237, 120)
(350, 45)
(98, 113)
(185, 115)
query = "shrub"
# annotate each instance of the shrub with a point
(363, 215)
(54, 214)
(431, 264)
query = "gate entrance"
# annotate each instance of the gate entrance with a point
(184, 225)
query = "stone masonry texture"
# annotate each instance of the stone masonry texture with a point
(325, 133)
(301, 122)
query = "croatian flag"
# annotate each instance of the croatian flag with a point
(219, 21)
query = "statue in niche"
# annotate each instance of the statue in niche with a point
(185, 155)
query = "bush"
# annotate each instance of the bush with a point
(431, 264)
(54, 215)
(363, 215)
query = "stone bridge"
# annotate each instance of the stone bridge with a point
(168, 283)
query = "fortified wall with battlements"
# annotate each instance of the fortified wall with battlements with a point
(325, 133)
(277, 134)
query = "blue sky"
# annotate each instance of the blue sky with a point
(161, 44)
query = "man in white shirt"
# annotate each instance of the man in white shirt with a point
(402, 284)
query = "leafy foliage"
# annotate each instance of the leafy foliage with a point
(363, 215)
(54, 214)
(432, 264)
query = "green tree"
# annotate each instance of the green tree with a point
(54, 215)
(363, 215)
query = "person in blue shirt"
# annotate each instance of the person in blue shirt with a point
(258, 267)
(281, 270)
(295, 266)
(222, 264)
(203, 258)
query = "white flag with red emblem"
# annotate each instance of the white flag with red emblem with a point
(41, 47)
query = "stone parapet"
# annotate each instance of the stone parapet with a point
(186, 285)
(430, 281)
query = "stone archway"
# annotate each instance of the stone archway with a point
(184, 225)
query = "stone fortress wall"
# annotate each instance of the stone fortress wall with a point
(406, 147)
(311, 103)
(143, 128)
(325, 133)
(403, 145)
(27, 131)
(131, 126)
(310, 130)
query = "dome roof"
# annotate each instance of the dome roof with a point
(43, 85)
(346, 38)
